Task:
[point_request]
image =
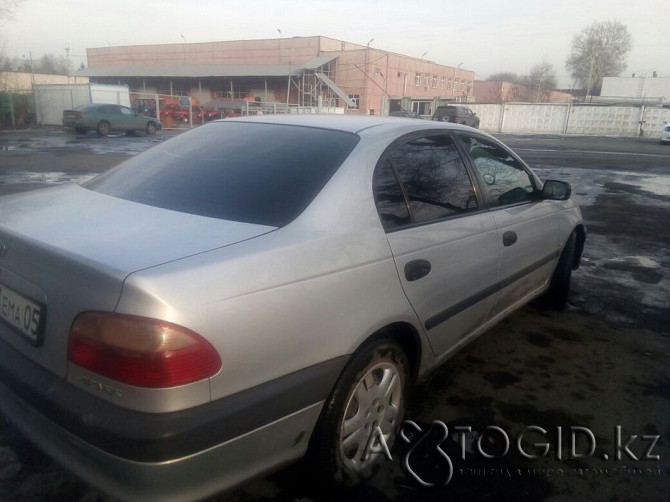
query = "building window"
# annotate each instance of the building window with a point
(356, 99)
(434, 81)
(228, 94)
(177, 90)
(422, 107)
(449, 87)
(330, 102)
(442, 79)
(427, 81)
(418, 80)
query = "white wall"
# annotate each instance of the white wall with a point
(51, 100)
(110, 94)
(572, 119)
(636, 87)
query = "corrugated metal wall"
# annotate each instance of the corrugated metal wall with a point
(51, 100)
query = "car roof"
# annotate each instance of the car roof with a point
(95, 105)
(347, 123)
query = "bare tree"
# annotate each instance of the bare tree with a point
(505, 76)
(598, 51)
(8, 8)
(54, 65)
(540, 81)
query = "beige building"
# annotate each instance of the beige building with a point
(486, 91)
(15, 81)
(316, 72)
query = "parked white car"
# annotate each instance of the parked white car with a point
(257, 289)
(665, 133)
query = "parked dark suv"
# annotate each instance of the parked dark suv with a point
(456, 114)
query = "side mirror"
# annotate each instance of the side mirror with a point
(556, 190)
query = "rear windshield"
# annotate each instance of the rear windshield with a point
(443, 110)
(241, 171)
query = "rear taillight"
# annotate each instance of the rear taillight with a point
(140, 351)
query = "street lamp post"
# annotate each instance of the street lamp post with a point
(366, 77)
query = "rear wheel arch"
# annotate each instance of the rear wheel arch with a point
(405, 335)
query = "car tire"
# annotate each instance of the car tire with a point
(556, 297)
(151, 128)
(371, 391)
(103, 128)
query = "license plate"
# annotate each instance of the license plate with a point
(23, 314)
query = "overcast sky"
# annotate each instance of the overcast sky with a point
(486, 36)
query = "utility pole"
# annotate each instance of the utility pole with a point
(590, 82)
(365, 80)
(67, 61)
(32, 85)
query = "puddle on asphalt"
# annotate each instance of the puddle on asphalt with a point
(8, 178)
(20, 146)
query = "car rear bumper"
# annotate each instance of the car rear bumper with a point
(73, 123)
(165, 456)
(188, 478)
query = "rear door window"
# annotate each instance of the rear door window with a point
(421, 180)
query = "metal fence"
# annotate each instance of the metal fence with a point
(180, 111)
(17, 109)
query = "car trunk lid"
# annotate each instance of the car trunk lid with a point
(67, 249)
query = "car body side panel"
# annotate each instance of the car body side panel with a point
(527, 264)
(280, 306)
(464, 257)
(542, 229)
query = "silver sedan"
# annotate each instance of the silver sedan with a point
(259, 289)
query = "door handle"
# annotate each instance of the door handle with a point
(509, 238)
(416, 269)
